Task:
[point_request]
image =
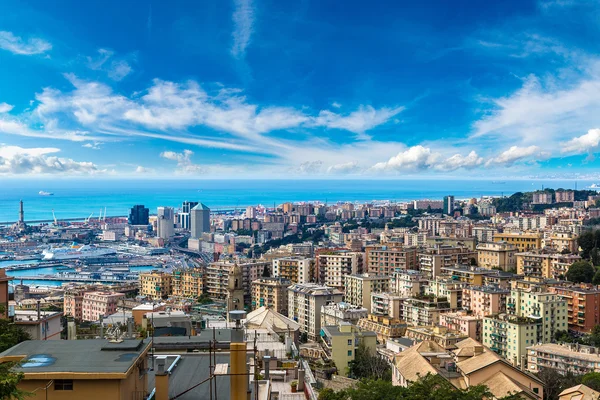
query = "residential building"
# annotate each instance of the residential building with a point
(199, 221)
(359, 288)
(563, 358)
(523, 241)
(549, 309)
(408, 283)
(484, 234)
(579, 392)
(304, 305)
(332, 267)
(543, 264)
(217, 272)
(384, 327)
(271, 293)
(189, 282)
(464, 323)
(40, 325)
(4, 280)
(433, 259)
(414, 239)
(485, 300)
(424, 311)
(100, 304)
(387, 304)
(542, 198)
(441, 335)
(385, 260)
(73, 303)
(334, 313)
(139, 215)
(564, 196)
(468, 365)
(451, 290)
(341, 341)
(498, 255)
(165, 223)
(510, 335)
(562, 242)
(156, 284)
(296, 269)
(583, 305)
(467, 274)
(82, 369)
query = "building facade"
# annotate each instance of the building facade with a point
(305, 302)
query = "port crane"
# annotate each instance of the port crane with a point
(54, 218)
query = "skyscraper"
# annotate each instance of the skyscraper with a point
(199, 220)
(139, 215)
(184, 215)
(448, 204)
(165, 223)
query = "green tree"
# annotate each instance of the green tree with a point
(581, 271)
(586, 241)
(596, 279)
(266, 272)
(9, 380)
(367, 364)
(554, 383)
(595, 256)
(591, 380)
(11, 335)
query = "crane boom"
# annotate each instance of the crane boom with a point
(54, 217)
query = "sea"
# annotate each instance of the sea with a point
(81, 198)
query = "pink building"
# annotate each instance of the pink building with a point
(466, 324)
(73, 303)
(100, 304)
(485, 300)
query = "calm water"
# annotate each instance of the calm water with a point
(81, 198)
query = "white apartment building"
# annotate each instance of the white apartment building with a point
(305, 302)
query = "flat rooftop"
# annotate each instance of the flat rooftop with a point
(91, 356)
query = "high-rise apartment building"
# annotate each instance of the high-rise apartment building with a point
(184, 215)
(296, 269)
(497, 255)
(385, 260)
(305, 302)
(360, 286)
(199, 220)
(165, 222)
(332, 267)
(448, 205)
(189, 282)
(139, 215)
(583, 306)
(271, 293)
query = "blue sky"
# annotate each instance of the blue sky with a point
(250, 88)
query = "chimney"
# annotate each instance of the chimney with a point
(238, 380)
(101, 327)
(161, 379)
(477, 350)
(130, 328)
(39, 311)
(267, 365)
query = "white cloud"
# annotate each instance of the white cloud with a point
(119, 70)
(344, 168)
(308, 167)
(92, 145)
(5, 107)
(184, 161)
(359, 121)
(587, 143)
(18, 160)
(514, 154)
(143, 170)
(17, 45)
(97, 63)
(243, 21)
(472, 160)
(335, 104)
(544, 112)
(414, 158)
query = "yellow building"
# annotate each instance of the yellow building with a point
(189, 283)
(523, 241)
(340, 343)
(271, 293)
(510, 335)
(156, 284)
(471, 275)
(440, 334)
(384, 327)
(82, 369)
(360, 286)
(497, 255)
(544, 265)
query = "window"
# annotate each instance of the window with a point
(349, 342)
(349, 353)
(63, 384)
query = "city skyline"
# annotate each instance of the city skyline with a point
(271, 90)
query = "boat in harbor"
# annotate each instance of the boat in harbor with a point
(43, 193)
(76, 252)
